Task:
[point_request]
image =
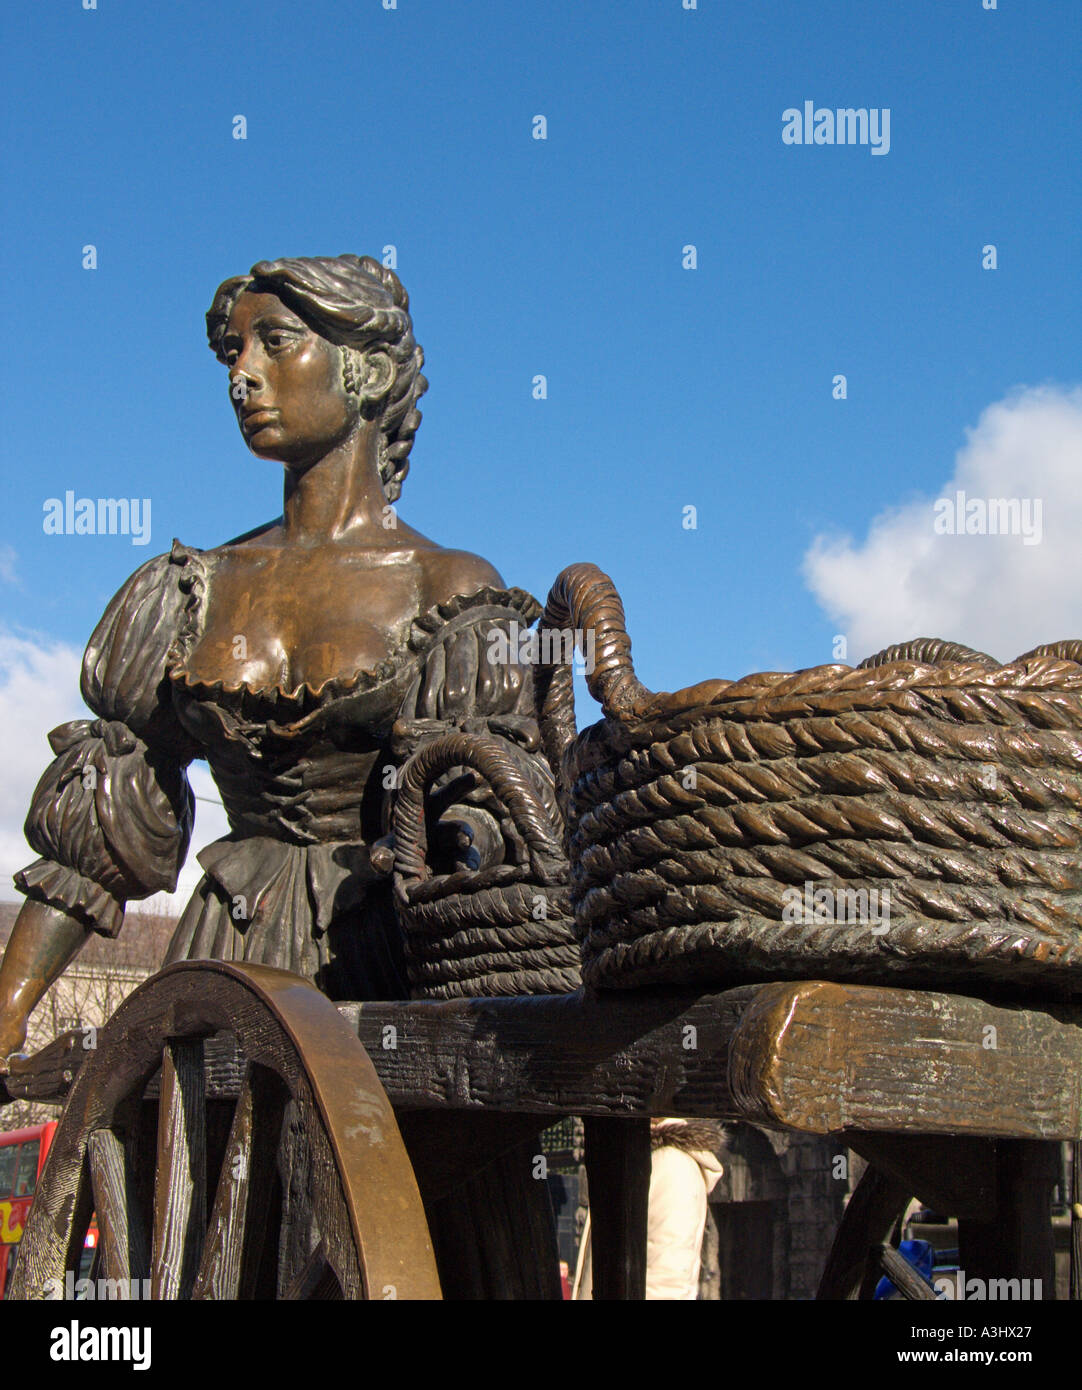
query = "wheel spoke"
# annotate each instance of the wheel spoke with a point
(180, 1193)
(230, 1264)
(123, 1250)
(317, 1280)
(909, 1283)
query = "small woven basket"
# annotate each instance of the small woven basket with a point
(497, 930)
(912, 821)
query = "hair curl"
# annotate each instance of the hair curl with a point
(354, 302)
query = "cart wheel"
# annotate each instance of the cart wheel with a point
(306, 1192)
(860, 1251)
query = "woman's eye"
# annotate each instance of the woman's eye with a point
(279, 339)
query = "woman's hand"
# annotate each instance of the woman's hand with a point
(13, 1022)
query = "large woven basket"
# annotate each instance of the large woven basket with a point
(497, 930)
(735, 830)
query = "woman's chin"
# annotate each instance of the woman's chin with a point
(266, 448)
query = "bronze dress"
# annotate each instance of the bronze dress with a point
(302, 777)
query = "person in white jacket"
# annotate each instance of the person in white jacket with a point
(683, 1172)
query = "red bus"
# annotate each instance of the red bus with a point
(22, 1157)
(22, 1154)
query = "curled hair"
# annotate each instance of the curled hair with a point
(355, 302)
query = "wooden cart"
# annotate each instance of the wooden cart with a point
(175, 1111)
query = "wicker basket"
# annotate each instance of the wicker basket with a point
(913, 821)
(497, 930)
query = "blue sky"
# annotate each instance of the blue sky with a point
(667, 387)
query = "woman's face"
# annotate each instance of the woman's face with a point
(285, 382)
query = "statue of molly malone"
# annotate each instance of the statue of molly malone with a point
(284, 658)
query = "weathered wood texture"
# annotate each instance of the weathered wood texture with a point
(652, 1053)
(236, 1234)
(124, 1250)
(903, 1276)
(494, 1269)
(46, 1075)
(180, 1193)
(829, 1057)
(1076, 1222)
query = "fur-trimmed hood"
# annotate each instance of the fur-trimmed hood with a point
(690, 1135)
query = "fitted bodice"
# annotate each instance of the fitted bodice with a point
(293, 772)
(310, 766)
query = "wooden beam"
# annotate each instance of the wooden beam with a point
(646, 1052)
(813, 1056)
(125, 1250)
(955, 1175)
(618, 1173)
(828, 1057)
(1015, 1241)
(1075, 1291)
(180, 1192)
(823, 1058)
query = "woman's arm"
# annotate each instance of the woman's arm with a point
(43, 942)
(111, 816)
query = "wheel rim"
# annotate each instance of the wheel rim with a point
(199, 1232)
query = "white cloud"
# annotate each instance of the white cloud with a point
(992, 592)
(39, 689)
(7, 564)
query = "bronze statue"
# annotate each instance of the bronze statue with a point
(305, 660)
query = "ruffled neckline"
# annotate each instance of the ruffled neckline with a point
(424, 631)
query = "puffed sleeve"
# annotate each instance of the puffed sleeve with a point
(480, 872)
(112, 816)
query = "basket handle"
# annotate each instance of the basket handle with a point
(585, 599)
(507, 780)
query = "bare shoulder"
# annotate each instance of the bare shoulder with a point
(451, 573)
(271, 533)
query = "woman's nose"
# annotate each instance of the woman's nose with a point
(242, 384)
(245, 376)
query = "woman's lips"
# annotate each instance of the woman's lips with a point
(257, 420)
